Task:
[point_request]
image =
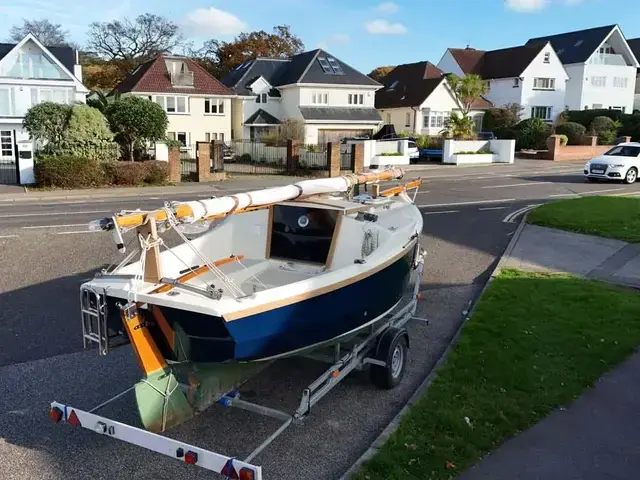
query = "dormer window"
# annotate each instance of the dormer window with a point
(262, 98)
(179, 73)
(393, 86)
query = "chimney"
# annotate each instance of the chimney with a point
(77, 68)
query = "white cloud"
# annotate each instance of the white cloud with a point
(388, 7)
(334, 39)
(212, 21)
(383, 27)
(526, 5)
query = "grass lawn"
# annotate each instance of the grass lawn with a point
(535, 342)
(613, 217)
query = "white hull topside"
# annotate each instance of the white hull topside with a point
(268, 282)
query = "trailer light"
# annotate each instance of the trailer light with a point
(73, 419)
(335, 373)
(55, 414)
(180, 453)
(191, 458)
(247, 474)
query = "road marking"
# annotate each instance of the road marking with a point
(491, 208)
(564, 195)
(517, 185)
(511, 218)
(78, 231)
(8, 236)
(441, 212)
(17, 215)
(57, 226)
(479, 202)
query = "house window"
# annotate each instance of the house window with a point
(6, 143)
(5, 101)
(214, 106)
(543, 113)
(620, 82)
(172, 103)
(599, 81)
(407, 121)
(388, 119)
(547, 57)
(356, 99)
(544, 83)
(597, 106)
(210, 136)
(436, 119)
(262, 98)
(182, 138)
(318, 98)
(516, 82)
(620, 109)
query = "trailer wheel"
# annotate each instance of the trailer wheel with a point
(392, 349)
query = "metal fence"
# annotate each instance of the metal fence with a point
(248, 156)
(346, 158)
(188, 172)
(312, 157)
(8, 172)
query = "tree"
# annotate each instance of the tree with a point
(105, 75)
(101, 102)
(87, 135)
(46, 123)
(135, 42)
(379, 73)
(49, 34)
(136, 120)
(507, 116)
(467, 90)
(220, 57)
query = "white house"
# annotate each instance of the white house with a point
(601, 67)
(31, 73)
(331, 98)
(532, 76)
(417, 98)
(198, 106)
(634, 44)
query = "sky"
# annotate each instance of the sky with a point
(364, 34)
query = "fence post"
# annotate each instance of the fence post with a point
(203, 162)
(174, 165)
(357, 157)
(292, 156)
(553, 145)
(333, 159)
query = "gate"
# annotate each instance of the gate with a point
(247, 156)
(188, 163)
(8, 164)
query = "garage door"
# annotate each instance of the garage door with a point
(325, 136)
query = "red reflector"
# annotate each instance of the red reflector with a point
(247, 474)
(229, 471)
(55, 414)
(73, 419)
(191, 458)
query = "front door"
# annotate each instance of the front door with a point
(7, 157)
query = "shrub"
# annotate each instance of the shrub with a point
(601, 124)
(531, 133)
(563, 140)
(506, 133)
(291, 129)
(585, 117)
(574, 132)
(46, 123)
(67, 171)
(157, 172)
(608, 137)
(126, 173)
(87, 135)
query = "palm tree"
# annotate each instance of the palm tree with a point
(458, 127)
(467, 90)
(102, 101)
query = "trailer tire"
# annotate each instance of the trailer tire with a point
(393, 349)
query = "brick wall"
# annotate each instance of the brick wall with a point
(588, 150)
(174, 165)
(333, 159)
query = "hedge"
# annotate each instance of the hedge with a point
(79, 172)
(630, 122)
(574, 132)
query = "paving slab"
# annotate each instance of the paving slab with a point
(541, 249)
(597, 437)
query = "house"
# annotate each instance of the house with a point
(417, 98)
(332, 99)
(634, 44)
(531, 75)
(31, 73)
(601, 67)
(198, 106)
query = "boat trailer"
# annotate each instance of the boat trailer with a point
(382, 345)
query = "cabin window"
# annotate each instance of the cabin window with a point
(302, 234)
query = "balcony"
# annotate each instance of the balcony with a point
(182, 79)
(608, 59)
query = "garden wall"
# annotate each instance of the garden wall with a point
(495, 151)
(584, 152)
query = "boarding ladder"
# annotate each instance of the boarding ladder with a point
(94, 319)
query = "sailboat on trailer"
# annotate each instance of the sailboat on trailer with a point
(273, 273)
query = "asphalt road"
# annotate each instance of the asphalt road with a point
(46, 252)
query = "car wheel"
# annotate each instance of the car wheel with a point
(631, 176)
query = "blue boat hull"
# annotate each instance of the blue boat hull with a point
(207, 339)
